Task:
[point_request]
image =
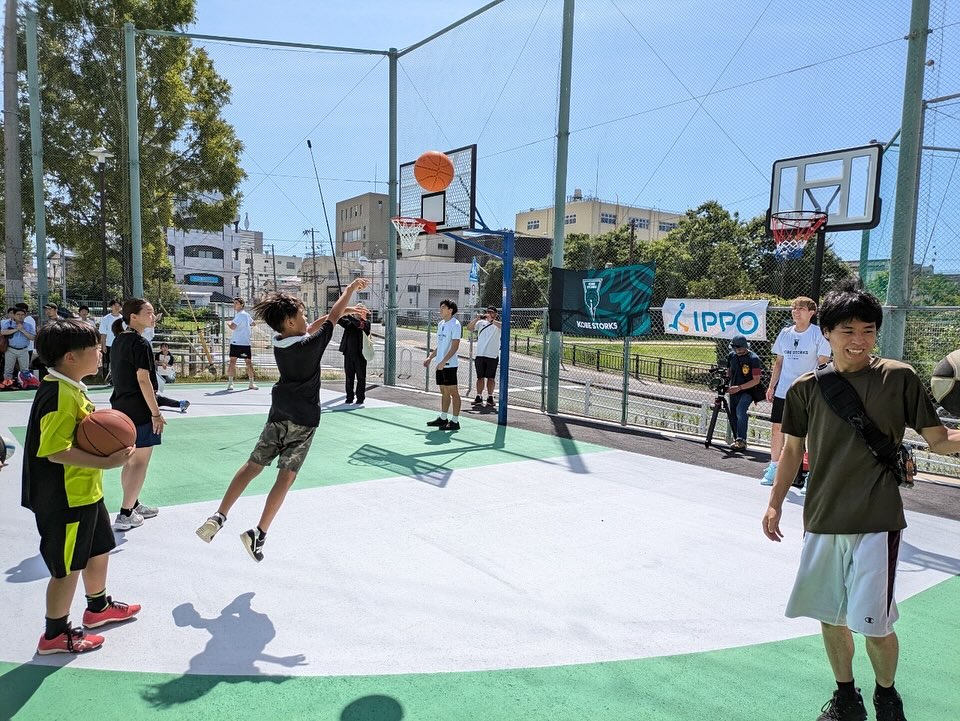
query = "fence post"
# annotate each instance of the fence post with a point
(426, 374)
(598, 359)
(223, 346)
(586, 397)
(626, 381)
(660, 369)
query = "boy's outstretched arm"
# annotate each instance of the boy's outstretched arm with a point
(340, 307)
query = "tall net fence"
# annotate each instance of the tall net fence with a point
(674, 125)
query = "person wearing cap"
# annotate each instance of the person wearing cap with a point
(355, 326)
(488, 353)
(743, 372)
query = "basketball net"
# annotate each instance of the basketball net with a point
(792, 229)
(409, 228)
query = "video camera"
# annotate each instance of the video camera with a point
(718, 381)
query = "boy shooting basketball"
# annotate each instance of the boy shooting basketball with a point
(294, 411)
(63, 486)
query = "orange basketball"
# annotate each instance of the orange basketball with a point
(105, 432)
(433, 171)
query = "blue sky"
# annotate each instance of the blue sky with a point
(779, 82)
(674, 103)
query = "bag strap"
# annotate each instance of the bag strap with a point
(842, 398)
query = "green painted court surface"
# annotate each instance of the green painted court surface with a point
(386, 452)
(784, 681)
(349, 447)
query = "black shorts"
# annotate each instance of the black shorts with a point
(776, 415)
(105, 361)
(146, 438)
(486, 367)
(70, 538)
(447, 376)
(240, 351)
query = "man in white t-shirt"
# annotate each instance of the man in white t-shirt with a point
(106, 336)
(800, 348)
(449, 333)
(240, 343)
(488, 352)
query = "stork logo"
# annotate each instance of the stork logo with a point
(591, 298)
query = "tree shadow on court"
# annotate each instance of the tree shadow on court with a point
(19, 685)
(910, 554)
(238, 637)
(373, 708)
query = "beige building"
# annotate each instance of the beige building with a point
(319, 296)
(593, 216)
(362, 227)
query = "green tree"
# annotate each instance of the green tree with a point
(189, 155)
(530, 282)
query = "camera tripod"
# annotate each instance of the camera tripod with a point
(720, 402)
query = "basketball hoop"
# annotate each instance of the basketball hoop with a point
(793, 228)
(409, 228)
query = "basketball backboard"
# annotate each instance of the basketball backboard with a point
(844, 184)
(451, 209)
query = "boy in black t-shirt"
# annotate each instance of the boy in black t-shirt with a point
(294, 410)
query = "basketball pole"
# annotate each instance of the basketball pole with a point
(818, 264)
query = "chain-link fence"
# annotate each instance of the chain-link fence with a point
(667, 161)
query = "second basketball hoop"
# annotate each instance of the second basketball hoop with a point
(793, 228)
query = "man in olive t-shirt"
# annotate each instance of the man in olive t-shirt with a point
(853, 513)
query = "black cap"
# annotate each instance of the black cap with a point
(739, 341)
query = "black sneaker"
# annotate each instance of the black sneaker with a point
(844, 708)
(437, 422)
(889, 709)
(478, 401)
(451, 426)
(489, 401)
(253, 543)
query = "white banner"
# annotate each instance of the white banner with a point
(715, 318)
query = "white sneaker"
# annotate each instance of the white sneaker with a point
(146, 511)
(210, 528)
(252, 386)
(230, 386)
(125, 523)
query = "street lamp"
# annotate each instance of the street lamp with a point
(100, 157)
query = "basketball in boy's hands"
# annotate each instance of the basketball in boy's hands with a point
(105, 432)
(945, 383)
(7, 449)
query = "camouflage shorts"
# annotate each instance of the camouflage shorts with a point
(285, 439)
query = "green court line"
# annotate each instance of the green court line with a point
(784, 680)
(199, 455)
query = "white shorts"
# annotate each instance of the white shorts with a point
(847, 580)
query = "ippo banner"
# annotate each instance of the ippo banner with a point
(715, 318)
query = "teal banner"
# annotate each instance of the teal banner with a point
(611, 303)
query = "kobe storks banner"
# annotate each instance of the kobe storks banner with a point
(612, 302)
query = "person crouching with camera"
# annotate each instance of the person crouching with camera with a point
(743, 371)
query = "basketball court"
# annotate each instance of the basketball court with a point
(493, 573)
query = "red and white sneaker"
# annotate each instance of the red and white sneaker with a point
(73, 640)
(115, 612)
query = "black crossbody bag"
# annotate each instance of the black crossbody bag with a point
(844, 401)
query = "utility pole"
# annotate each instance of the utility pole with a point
(253, 281)
(13, 216)
(273, 256)
(316, 292)
(633, 236)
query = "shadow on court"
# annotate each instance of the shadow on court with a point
(18, 686)
(415, 465)
(238, 637)
(373, 708)
(28, 570)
